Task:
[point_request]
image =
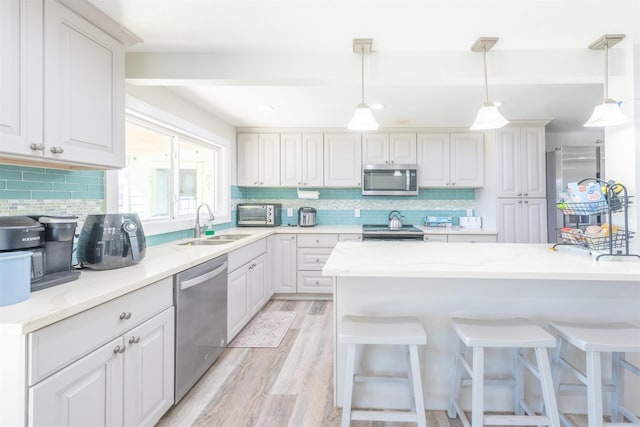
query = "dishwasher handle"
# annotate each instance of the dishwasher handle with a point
(201, 279)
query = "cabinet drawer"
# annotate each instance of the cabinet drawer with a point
(57, 345)
(314, 282)
(472, 238)
(350, 237)
(312, 258)
(317, 240)
(245, 254)
(438, 238)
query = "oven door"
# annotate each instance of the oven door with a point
(252, 215)
(389, 180)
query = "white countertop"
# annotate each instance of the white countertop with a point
(475, 260)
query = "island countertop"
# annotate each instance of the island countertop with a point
(476, 260)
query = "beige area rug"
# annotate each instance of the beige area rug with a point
(266, 329)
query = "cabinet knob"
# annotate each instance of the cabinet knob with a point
(125, 315)
(448, 183)
(255, 182)
(293, 237)
(260, 182)
(119, 349)
(304, 183)
(317, 241)
(526, 194)
(317, 282)
(37, 146)
(519, 194)
(57, 150)
(134, 340)
(519, 201)
(317, 259)
(453, 183)
(299, 183)
(526, 201)
(391, 161)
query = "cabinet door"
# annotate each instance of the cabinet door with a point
(534, 221)
(375, 148)
(20, 76)
(149, 368)
(342, 160)
(269, 159)
(247, 159)
(86, 393)
(284, 267)
(433, 160)
(533, 166)
(402, 148)
(509, 214)
(313, 159)
(291, 162)
(466, 159)
(256, 290)
(237, 307)
(271, 260)
(83, 90)
(508, 152)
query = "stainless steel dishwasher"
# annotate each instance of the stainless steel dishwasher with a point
(200, 295)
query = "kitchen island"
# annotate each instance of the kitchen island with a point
(437, 282)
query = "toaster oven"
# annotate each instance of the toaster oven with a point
(259, 215)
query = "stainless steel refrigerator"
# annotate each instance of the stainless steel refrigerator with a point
(570, 164)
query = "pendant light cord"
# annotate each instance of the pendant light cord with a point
(362, 72)
(606, 70)
(484, 62)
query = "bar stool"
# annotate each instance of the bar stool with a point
(594, 339)
(404, 331)
(515, 334)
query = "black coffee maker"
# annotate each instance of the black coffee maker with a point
(49, 238)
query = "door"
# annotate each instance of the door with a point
(89, 392)
(284, 265)
(256, 284)
(342, 160)
(375, 149)
(433, 160)
(509, 213)
(148, 368)
(84, 90)
(312, 159)
(402, 148)
(508, 152)
(291, 162)
(534, 221)
(269, 159)
(533, 162)
(247, 159)
(466, 160)
(237, 301)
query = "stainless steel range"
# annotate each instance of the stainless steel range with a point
(382, 232)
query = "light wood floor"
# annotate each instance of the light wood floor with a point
(291, 385)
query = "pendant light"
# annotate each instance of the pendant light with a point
(488, 116)
(362, 118)
(608, 113)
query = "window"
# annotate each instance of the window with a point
(168, 173)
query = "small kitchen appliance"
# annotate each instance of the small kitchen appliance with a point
(471, 222)
(259, 215)
(307, 217)
(110, 241)
(50, 241)
(390, 180)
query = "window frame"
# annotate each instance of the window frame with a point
(140, 111)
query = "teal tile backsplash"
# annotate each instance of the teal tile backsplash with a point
(21, 182)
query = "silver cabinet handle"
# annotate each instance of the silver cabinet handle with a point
(57, 150)
(134, 340)
(125, 315)
(37, 146)
(119, 349)
(526, 194)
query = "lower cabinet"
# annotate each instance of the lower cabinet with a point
(284, 267)
(313, 252)
(126, 381)
(247, 290)
(522, 220)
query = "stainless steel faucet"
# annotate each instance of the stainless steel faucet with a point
(197, 231)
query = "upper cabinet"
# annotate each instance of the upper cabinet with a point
(258, 160)
(450, 160)
(301, 160)
(392, 148)
(67, 104)
(342, 160)
(521, 162)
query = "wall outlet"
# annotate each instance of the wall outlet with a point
(356, 212)
(289, 212)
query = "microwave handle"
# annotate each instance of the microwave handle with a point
(408, 177)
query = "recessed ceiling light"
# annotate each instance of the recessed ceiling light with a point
(266, 107)
(376, 106)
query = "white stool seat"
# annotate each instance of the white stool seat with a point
(507, 333)
(382, 330)
(514, 334)
(594, 339)
(608, 337)
(368, 330)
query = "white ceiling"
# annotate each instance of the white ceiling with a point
(296, 55)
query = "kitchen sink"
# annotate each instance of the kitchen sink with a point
(228, 237)
(205, 242)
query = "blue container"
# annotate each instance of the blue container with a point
(15, 277)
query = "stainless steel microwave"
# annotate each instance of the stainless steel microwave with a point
(259, 215)
(390, 180)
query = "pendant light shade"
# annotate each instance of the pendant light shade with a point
(362, 118)
(488, 116)
(608, 113)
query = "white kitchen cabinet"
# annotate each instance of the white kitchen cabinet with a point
(342, 160)
(72, 70)
(302, 160)
(126, 380)
(521, 166)
(313, 252)
(385, 148)
(237, 301)
(451, 160)
(257, 292)
(284, 263)
(435, 238)
(258, 160)
(350, 237)
(522, 220)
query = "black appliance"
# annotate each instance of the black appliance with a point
(307, 217)
(50, 239)
(383, 232)
(110, 241)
